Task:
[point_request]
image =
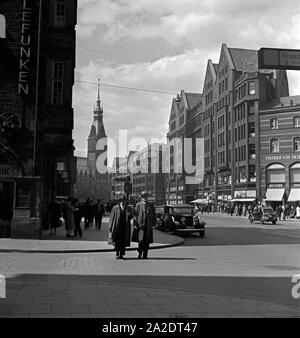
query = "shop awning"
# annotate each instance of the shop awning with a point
(294, 195)
(249, 200)
(275, 195)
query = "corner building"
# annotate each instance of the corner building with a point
(37, 48)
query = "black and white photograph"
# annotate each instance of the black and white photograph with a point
(149, 162)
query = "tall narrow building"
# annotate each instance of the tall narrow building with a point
(93, 181)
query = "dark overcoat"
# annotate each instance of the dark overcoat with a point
(146, 220)
(114, 223)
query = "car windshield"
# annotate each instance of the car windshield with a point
(182, 210)
(159, 210)
(268, 210)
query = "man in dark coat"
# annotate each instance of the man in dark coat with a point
(55, 212)
(120, 227)
(146, 220)
(99, 213)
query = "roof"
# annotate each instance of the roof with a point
(285, 102)
(244, 59)
(92, 132)
(101, 131)
(216, 65)
(193, 99)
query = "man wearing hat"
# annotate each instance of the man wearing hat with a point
(120, 227)
(146, 219)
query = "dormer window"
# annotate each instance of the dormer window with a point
(2, 27)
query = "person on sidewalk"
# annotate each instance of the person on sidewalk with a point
(55, 213)
(99, 213)
(120, 227)
(69, 217)
(77, 219)
(146, 220)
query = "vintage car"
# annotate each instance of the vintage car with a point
(179, 219)
(262, 215)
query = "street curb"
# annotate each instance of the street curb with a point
(179, 241)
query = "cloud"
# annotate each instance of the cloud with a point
(141, 113)
(191, 30)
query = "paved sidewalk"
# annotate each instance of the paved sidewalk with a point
(92, 241)
(88, 297)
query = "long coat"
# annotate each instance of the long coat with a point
(114, 223)
(146, 219)
(69, 217)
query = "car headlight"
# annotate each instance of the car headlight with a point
(182, 219)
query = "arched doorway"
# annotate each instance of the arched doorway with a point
(275, 177)
(294, 196)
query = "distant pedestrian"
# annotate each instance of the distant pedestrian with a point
(298, 212)
(120, 227)
(77, 219)
(69, 217)
(55, 213)
(146, 219)
(99, 212)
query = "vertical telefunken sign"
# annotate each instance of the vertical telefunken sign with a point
(25, 49)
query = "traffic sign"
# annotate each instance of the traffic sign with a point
(272, 58)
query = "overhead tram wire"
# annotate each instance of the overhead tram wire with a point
(128, 88)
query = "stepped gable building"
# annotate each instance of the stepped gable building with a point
(227, 117)
(37, 61)
(92, 182)
(185, 108)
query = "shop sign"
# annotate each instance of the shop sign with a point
(276, 186)
(282, 157)
(25, 49)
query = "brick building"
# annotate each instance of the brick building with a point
(37, 61)
(185, 122)
(279, 136)
(234, 91)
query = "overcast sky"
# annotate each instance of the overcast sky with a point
(164, 45)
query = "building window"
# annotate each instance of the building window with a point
(274, 145)
(274, 124)
(252, 89)
(2, 27)
(297, 122)
(57, 83)
(60, 13)
(297, 144)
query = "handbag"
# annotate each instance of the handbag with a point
(110, 240)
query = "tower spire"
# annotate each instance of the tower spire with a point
(98, 98)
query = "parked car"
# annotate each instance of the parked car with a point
(263, 215)
(179, 219)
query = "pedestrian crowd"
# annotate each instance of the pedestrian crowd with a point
(70, 212)
(127, 223)
(242, 209)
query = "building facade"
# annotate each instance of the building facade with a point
(234, 92)
(92, 172)
(37, 64)
(146, 169)
(185, 122)
(280, 152)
